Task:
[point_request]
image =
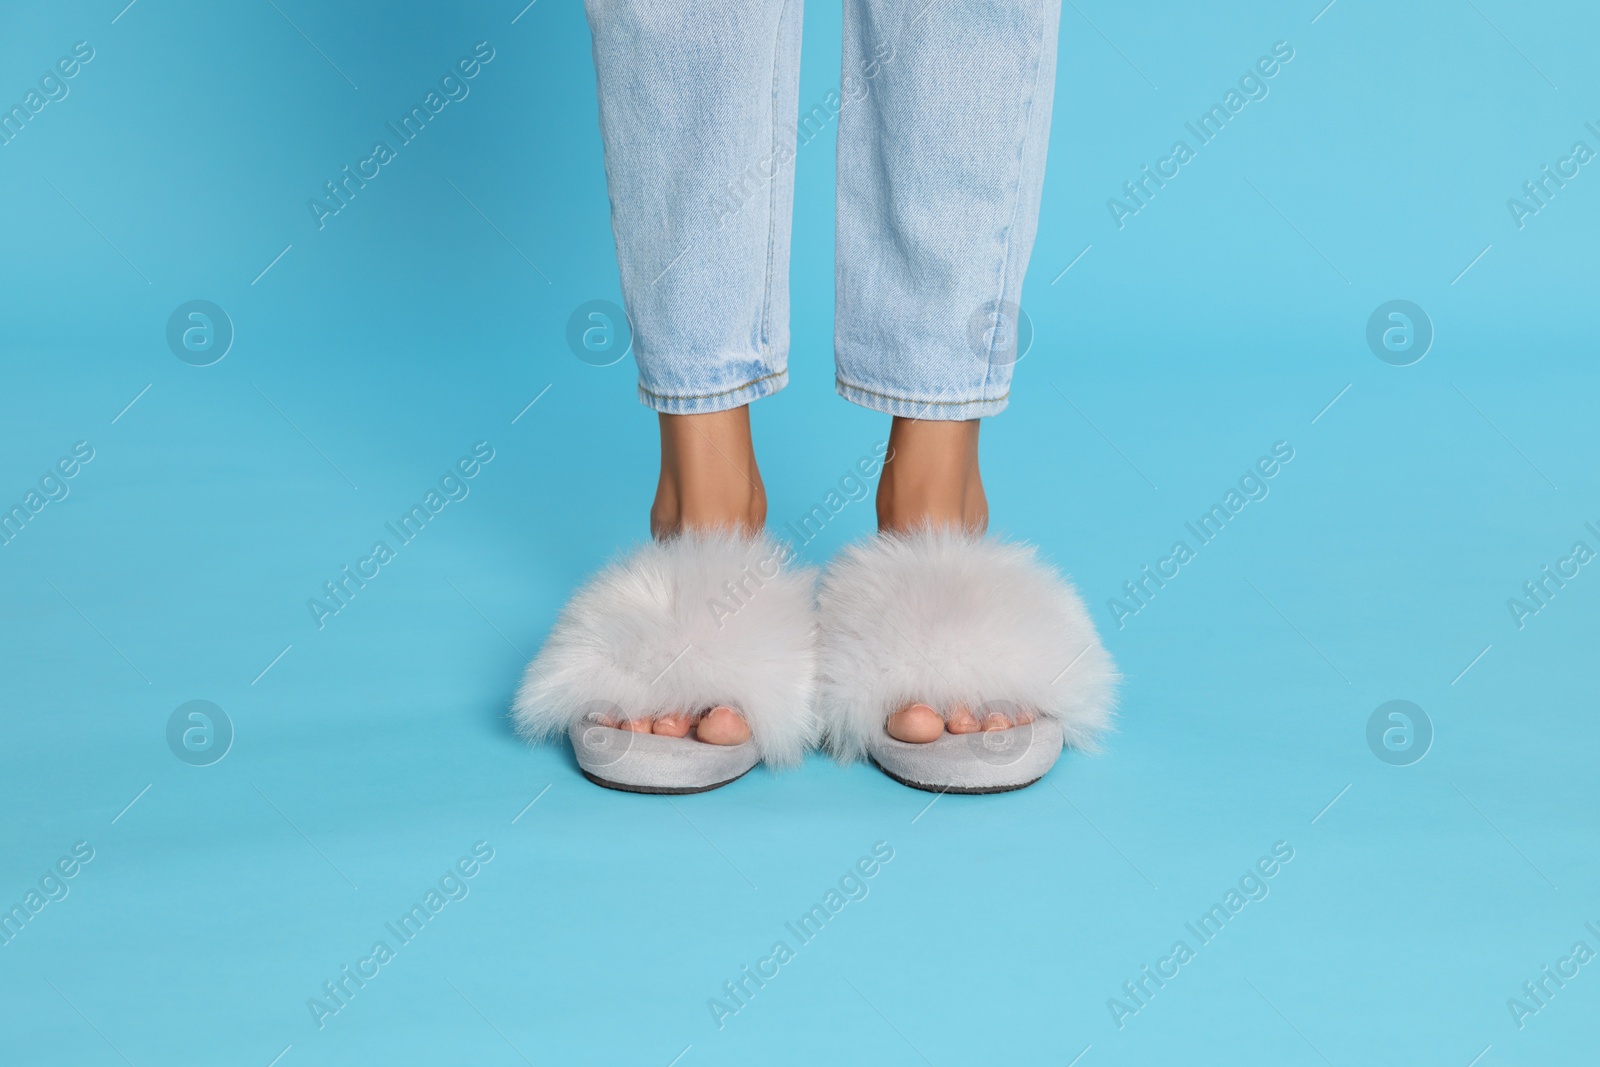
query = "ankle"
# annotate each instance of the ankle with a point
(931, 478)
(709, 478)
(904, 512)
(674, 512)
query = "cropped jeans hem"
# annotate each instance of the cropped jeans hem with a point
(940, 124)
(938, 409)
(723, 400)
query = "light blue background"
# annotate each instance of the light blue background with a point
(369, 757)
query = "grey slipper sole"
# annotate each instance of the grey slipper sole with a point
(650, 763)
(992, 761)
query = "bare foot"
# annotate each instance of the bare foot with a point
(709, 477)
(709, 480)
(675, 725)
(932, 479)
(918, 724)
(722, 726)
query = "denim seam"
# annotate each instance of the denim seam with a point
(712, 396)
(1016, 202)
(772, 199)
(913, 400)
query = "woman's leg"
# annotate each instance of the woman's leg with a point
(709, 476)
(941, 166)
(697, 112)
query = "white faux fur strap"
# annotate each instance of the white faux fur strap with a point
(947, 619)
(682, 625)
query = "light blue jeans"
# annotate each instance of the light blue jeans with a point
(944, 115)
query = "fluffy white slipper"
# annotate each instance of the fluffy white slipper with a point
(945, 619)
(680, 626)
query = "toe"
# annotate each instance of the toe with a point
(916, 724)
(722, 726)
(675, 724)
(638, 726)
(962, 721)
(996, 721)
